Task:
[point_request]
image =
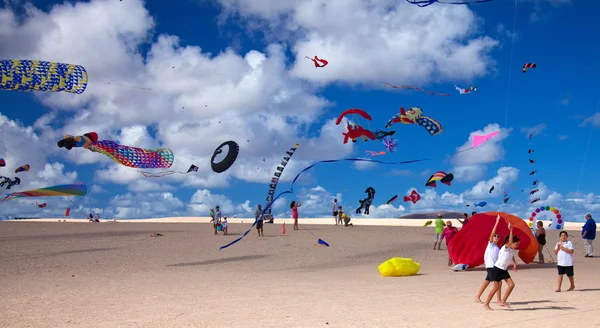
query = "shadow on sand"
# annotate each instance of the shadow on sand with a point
(550, 307)
(223, 260)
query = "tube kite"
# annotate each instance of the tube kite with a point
(416, 89)
(193, 168)
(125, 155)
(77, 189)
(425, 3)
(35, 75)
(275, 180)
(227, 162)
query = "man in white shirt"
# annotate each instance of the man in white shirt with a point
(564, 250)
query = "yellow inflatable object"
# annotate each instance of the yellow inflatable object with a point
(428, 223)
(397, 266)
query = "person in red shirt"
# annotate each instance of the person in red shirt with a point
(448, 233)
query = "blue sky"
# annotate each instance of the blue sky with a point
(238, 62)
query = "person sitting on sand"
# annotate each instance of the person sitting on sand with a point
(224, 225)
(448, 233)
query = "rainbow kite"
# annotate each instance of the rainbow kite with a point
(35, 75)
(77, 189)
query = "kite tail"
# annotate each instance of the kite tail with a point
(133, 156)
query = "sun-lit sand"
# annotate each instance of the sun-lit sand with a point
(118, 275)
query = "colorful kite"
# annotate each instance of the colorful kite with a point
(478, 140)
(414, 115)
(355, 131)
(416, 89)
(390, 144)
(351, 111)
(125, 155)
(414, 197)
(275, 180)
(547, 211)
(441, 176)
(77, 189)
(2, 162)
(425, 3)
(34, 75)
(193, 168)
(372, 153)
(23, 168)
(67, 211)
(528, 65)
(318, 62)
(463, 91)
(42, 205)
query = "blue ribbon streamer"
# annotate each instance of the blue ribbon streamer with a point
(308, 168)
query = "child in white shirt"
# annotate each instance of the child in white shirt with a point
(490, 257)
(500, 271)
(224, 224)
(564, 250)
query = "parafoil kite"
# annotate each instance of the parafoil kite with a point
(464, 91)
(366, 203)
(416, 89)
(319, 62)
(351, 111)
(390, 144)
(425, 3)
(275, 180)
(547, 211)
(77, 189)
(125, 155)
(2, 162)
(396, 267)
(34, 75)
(528, 65)
(23, 168)
(469, 244)
(441, 176)
(8, 182)
(391, 200)
(414, 115)
(414, 197)
(193, 168)
(42, 205)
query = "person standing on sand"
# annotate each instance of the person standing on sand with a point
(216, 218)
(564, 250)
(506, 256)
(294, 206)
(224, 225)
(490, 257)
(439, 229)
(448, 233)
(465, 219)
(588, 233)
(260, 222)
(540, 235)
(334, 211)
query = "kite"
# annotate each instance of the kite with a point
(416, 89)
(533, 191)
(23, 168)
(414, 197)
(390, 144)
(530, 151)
(42, 205)
(67, 211)
(391, 200)
(552, 212)
(480, 204)
(533, 172)
(414, 115)
(275, 180)
(8, 182)
(506, 197)
(463, 91)
(382, 134)
(491, 189)
(535, 200)
(478, 140)
(350, 111)
(193, 168)
(425, 3)
(534, 182)
(365, 204)
(318, 62)
(227, 162)
(441, 176)
(528, 65)
(397, 267)
(125, 155)
(372, 153)
(77, 189)
(35, 75)
(2, 162)
(291, 190)
(469, 244)
(357, 131)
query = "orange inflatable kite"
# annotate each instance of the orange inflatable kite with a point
(468, 245)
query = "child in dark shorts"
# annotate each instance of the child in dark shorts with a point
(500, 271)
(490, 257)
(564, 251)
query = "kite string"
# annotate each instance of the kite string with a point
(588, 146)
(512, 48)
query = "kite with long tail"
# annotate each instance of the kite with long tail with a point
(416, 89)
(319, 62)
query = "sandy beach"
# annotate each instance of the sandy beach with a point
(118, 275)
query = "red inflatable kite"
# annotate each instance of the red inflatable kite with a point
(468, 245)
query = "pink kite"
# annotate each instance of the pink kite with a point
(478, 140)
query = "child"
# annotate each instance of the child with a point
(490, 257)
(500, 271)
(439, 228)
(540, 234)
(564, 249)
(294, 206)
(448, 233)
(345, 217)
(224, 225)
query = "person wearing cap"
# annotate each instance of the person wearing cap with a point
(439, 229)
(588, 233)
(490, 257)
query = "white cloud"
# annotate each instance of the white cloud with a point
(534, 130)
(563, 137)
(203, 200)
(565, 101)
(594, 120)
(505, 177)
(364, 165)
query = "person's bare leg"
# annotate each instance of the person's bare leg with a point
(481, 290)
(511, 286)
(490, 295)
(434, 245)
(499, 293)
(560, 279)
(572, 281)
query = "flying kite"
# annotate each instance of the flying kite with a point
(480, 204)
(416, 89)
(425, 3)
(275, 181)
(372, 153)
(23, 168)
(441, 176)
(414, 197)
(77, 189)
(350, 111)
(318, 62)
(125, 155)
(35, 75)
(193, 168)
(478, 140)
(2, 162)
(355, 131)
(366, 203)
(8, 182)
(414, 115)
(227, 162)
(382, 134)
(528, 65)
(390, 144)
(42, 205)
(463, 91)
(391, 200)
